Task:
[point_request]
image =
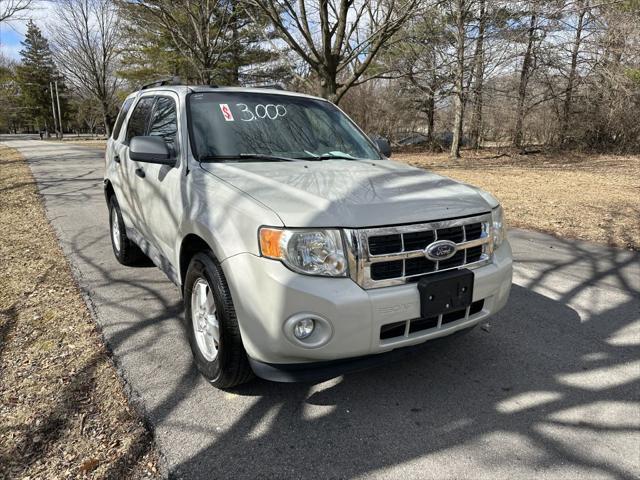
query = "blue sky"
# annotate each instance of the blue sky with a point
(10, 40)
(12, 32)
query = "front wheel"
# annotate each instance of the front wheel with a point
(211, 321)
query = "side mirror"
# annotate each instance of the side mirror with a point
(150, 150)
(384, 146)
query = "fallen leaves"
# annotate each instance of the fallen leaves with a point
(89, 465)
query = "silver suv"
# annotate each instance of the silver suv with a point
(301, 250)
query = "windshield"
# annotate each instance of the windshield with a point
(242, 124)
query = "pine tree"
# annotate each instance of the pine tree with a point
(163, 42)
(34, 73)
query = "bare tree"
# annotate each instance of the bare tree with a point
(582, 9)
(525, 73)
(423, 59)
(530, 69)
(460, 12)
(85, 39)
(478, 78)
(337, 39)
(428, 90)
(14, 9)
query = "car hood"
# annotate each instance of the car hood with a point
(348, 193)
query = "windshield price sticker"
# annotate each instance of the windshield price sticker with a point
(260, 112)
(226, 112)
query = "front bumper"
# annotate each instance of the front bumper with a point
(320, 371)
(266, 294)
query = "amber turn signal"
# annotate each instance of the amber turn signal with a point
(270, 242)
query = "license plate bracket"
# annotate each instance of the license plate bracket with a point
(445, 292)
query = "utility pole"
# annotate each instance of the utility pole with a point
(59, 112)
(53, 109)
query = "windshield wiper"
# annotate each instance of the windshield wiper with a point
(329, 157)
(246, 156)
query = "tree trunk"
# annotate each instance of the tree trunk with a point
(430, 110)
(431, 97)
(566, 110)
(329, 86)
(106, 118)
(524, 79)
(476, 114)
(235, 48)
(459, 81)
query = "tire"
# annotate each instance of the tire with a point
(125, 251)
(224, 363)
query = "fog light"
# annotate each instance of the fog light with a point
(303, 328)
(307, 330)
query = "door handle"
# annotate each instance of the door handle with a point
(116, 158)
(140, 172)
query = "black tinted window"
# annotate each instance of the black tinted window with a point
(139, 118)
(165, 122)
(121, 116)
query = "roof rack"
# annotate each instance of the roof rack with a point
(161, 82)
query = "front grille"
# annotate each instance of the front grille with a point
(455, 234)
(417, 266)
(399, 329)
(394, 255)
(456, 261)
(418, 240)
(474, 254)
(473, 231)
(382, 270)
(381, 244)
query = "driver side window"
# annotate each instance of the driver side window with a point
(139, 119)
(164, 123)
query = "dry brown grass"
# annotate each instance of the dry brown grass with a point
(587, 196)
(63, 411)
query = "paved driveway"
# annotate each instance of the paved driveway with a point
(549, 389)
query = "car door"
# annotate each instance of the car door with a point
(115, 170)
(160, 187)
(132, 183)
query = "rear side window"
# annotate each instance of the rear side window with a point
(121, 116)
(139, 118)
(164, 123)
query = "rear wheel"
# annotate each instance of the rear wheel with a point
(125, 251)
(211, 321)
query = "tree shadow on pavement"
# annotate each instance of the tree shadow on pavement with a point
(527, 380)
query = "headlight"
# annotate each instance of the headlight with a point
(314, 252)
(498, 229)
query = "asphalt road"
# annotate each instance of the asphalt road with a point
(550, 389)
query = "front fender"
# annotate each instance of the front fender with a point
(224, 217)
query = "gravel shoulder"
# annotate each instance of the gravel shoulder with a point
(63, 410)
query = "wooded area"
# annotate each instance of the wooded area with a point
(445, 74)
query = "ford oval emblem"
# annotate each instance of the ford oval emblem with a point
(440, 250)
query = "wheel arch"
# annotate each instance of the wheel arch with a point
(109, 191)
(191, 244)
